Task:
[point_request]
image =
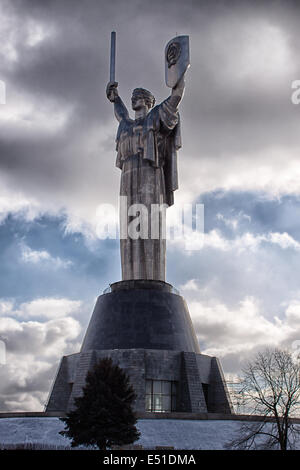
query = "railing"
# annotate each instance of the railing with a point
(108, 290)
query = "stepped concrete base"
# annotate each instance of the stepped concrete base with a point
(146, 329)
(202, 388)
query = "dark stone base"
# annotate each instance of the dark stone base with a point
(201, 385)
(141, 314)
(146, 329)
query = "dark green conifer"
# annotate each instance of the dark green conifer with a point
(103, 415)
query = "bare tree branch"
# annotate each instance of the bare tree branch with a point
(270, 387)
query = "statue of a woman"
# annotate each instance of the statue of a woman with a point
(146, 155)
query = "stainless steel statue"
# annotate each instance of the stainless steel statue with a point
(146, 154)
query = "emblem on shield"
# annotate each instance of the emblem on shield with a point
(177, 59)
(173, 53)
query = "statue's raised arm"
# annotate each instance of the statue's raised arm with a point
(177, 93)
(177, 61)
(121, 112)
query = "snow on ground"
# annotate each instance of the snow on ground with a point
(186, 434)
(181, 434)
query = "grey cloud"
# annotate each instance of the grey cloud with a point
(29, 394)
(223, 115)
(269, 274)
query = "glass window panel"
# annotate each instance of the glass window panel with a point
(166, 387)
(173, 403)
(161, 395)
(156, 386)
(149, 386)
(148, 403)
(157, 399)
(166, 403)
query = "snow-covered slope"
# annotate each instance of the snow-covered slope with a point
(181, 434)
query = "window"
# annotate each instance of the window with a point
(205, 388)
(161, 395)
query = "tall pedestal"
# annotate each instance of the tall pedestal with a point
(145, 327)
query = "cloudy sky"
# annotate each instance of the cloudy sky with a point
(240, 158)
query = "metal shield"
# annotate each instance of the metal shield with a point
(177, 59)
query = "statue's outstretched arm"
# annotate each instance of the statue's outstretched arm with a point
(121, 111)
(112, 94)
(177, 93)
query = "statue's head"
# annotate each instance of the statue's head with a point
(141, 98)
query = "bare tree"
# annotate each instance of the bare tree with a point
(271, 388)
(234, 386)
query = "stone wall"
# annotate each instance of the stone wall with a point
(188, 369)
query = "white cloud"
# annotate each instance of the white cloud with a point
(50, 308)
(25, 31)
(190, 285)
(32, 256)
(43, 308)
(18, 204)
(27, 114)
(19, 401)
(233, 222)
(214, 239)
(249, 241)
(38, 32)
(42, 257)
(238, 331)
(8, 37)
(293, 314)
(252, 57)
(6, 307)
(284, 240)
(21, 387)
(193, 241)
(274, 171)
(34, 338)
(33, 348)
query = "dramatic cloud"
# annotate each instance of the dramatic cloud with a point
(19, 206)
(240, 129)
(240, 158)
(233, 334)
(33, 348)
